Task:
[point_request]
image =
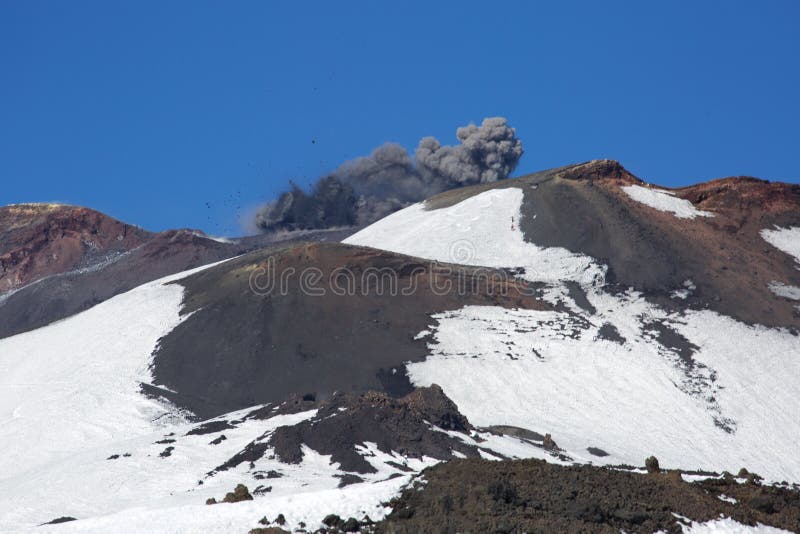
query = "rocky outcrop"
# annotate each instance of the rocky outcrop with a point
(417, 425)
(533, 496)
(38, 240)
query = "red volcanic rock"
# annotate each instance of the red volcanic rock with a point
(743, 193)
(38, 240)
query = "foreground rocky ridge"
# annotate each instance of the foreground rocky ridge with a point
(535, 496)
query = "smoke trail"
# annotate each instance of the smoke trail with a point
(368, 188)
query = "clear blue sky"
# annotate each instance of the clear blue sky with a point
(149, 110)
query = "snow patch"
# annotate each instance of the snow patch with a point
(664, 201)
(727, 525)
(684, 292)
(784, 239)
(786, 291)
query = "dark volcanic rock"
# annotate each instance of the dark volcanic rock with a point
(266, 343)
(594, 451)
(59, 520)
(210, 427)
(269, 530)
(651, 464)
(397, 425)
(345, 422)
(534, 496)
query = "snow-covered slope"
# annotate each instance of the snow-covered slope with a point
(663, 200)
(481, 230)
(79, 378)
(697, 389)
(785, 239)
(81, 440)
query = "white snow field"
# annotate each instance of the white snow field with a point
(663, 200)
(733, 401)
(785, 239)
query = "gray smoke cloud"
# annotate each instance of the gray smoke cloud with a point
(368, 188)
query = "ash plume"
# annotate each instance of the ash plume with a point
(368, 188)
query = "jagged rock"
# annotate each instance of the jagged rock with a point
(351, 525)
(475, 495)
(651, 464)
(549, 444)
(753, 479)
(346, 421)
(60, 520)
(240, 493)
(333, 521)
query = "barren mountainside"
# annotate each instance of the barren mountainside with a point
(574, 350)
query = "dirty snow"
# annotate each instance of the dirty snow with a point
(684, 292)
(522, 368)
(727, 525)
(786, 291)
(663, 200)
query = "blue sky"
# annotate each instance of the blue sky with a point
(187, 114)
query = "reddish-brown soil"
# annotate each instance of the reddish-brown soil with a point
(37, 240)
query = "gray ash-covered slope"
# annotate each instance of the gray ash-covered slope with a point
(263, 348)
(242, 347)
(56, 260)
(583, 208)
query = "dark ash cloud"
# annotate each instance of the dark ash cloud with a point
(368, 188)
